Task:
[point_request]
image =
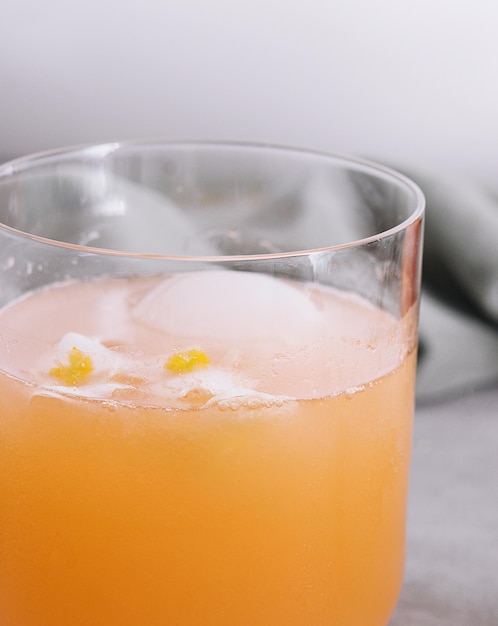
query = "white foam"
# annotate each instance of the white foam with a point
(221, 387)
(229, 305)
(93, 391)
(215, 382)
(104, 360)
(106, 364)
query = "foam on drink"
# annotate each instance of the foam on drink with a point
(260, 335)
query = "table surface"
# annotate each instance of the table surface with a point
(451, 576)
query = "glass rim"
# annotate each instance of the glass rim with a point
(24, 163)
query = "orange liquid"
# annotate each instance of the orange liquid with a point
(116, 514)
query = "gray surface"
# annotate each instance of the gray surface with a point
(452, 562)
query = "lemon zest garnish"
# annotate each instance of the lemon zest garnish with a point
(79, 368)
(183, 362)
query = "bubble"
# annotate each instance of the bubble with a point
(350, 393)
(253, 403)
(197, 396)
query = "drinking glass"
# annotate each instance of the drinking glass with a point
(207, 364)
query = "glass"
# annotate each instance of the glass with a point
(207, 363)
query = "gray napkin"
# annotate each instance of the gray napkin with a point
(459, 310)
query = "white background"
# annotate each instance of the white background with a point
(402, 81)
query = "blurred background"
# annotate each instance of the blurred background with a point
(403, 82)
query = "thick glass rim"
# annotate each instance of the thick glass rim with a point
(97, 150)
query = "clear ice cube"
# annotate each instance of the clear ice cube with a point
(229, 306)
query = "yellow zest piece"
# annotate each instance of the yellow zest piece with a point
(79, 368)
(183, 362)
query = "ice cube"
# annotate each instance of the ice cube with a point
(229, 306)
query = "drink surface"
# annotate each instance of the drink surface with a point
(210, 448)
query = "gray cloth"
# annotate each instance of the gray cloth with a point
(459, 310)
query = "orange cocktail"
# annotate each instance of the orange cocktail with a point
(207, 363)
(156, 491)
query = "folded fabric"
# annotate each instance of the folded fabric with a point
(459, 310)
